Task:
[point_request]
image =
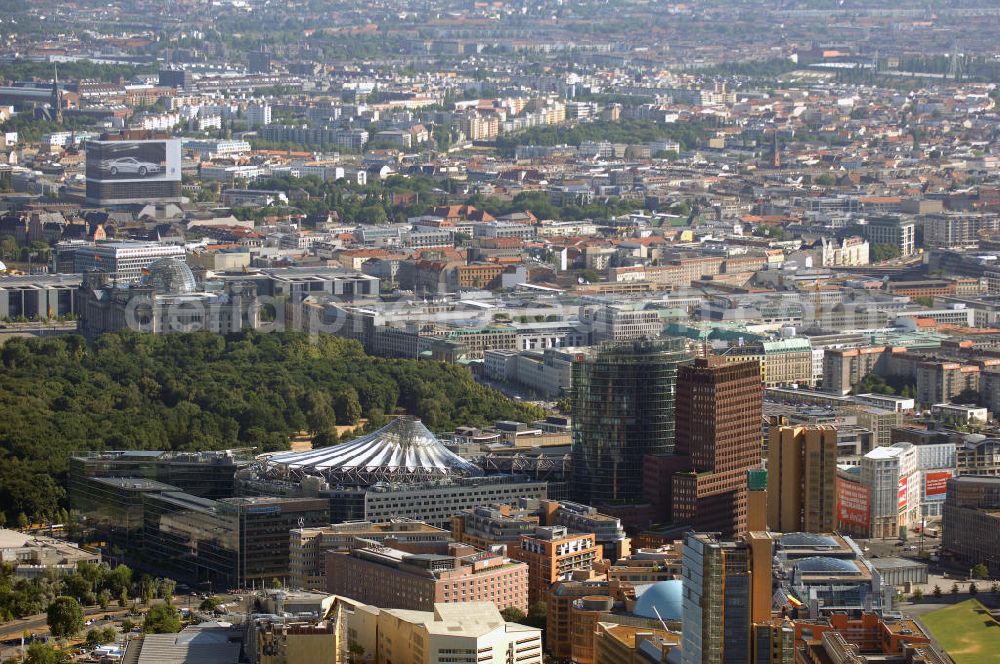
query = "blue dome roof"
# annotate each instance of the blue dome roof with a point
(665, 596)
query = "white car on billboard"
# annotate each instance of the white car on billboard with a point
(130, 166)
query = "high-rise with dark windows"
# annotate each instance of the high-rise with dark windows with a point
(623, 409)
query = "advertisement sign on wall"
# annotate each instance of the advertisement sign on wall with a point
(853, 507)
(133, 161)
(936, 484)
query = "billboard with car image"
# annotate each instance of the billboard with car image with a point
(133, 161)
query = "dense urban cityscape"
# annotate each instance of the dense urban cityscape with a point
(500, 331)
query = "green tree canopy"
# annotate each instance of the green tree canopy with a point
(204, 391)
(45, 653)
(884, 252)
(873, 383)
(537, 615)
(64, 617)
(101, 635)
(347, 406)
(967, 396)
(161, 619)
(209, 604)
(688, 134)
(513, 614)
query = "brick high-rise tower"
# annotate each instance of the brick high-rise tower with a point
(718, 430)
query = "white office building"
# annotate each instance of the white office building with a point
(218, 148)
(893, 478)
(611, 323)
(124, 260)
(258, 115)
(458, 632)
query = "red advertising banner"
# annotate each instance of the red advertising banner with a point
(853, 507)
(902, 492)
(936, 484)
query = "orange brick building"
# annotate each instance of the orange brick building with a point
(551, 554)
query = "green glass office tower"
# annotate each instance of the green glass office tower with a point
(623, 409)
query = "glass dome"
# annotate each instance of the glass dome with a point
(664, 597)
(826, 565)
(170, 275)
(808, 539)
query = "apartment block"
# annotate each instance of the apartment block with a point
(485, 526)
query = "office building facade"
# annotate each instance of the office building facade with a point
(971, 520)
(193, 529)
(230, 543)
(892, 479)
(392, 578)
(464, 632)
(123, 171)
(756, 499)
(719, 406)
(307, 546)
(608, 530)
(38, 296)
(175, 78)
(726, 593)
(551, 554)
(622, 324)
(432, 502)
(623, 400)
(209, 474)
(126, 262)
(896, 231)
(802, 474)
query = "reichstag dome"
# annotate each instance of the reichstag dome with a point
(170, 276)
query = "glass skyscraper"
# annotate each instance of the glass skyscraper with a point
(726, 602)
(716, 601)
(623, 409)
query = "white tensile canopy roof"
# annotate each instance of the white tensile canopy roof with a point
(403, 450)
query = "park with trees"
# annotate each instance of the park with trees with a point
(204, 391)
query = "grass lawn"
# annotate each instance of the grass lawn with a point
(967, 631)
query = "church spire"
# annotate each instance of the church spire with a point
(775, 151)
(56, 101)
